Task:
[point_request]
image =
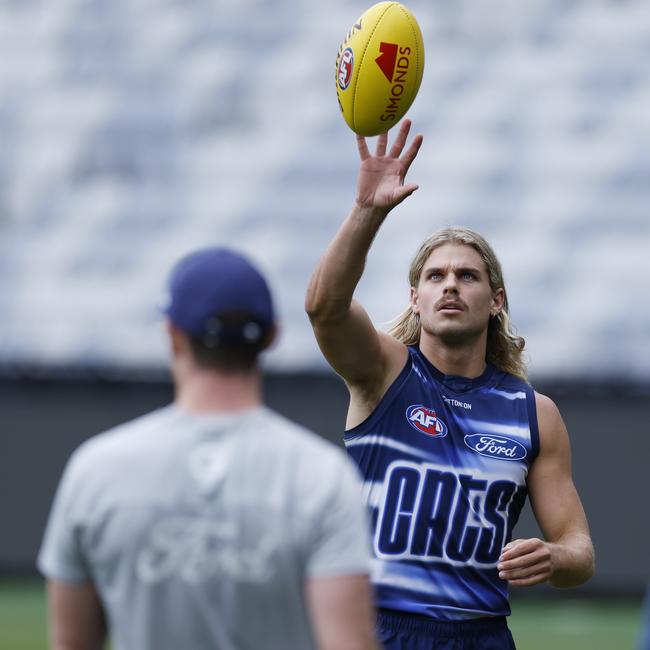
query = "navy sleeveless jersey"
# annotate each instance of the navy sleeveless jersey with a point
(444, 461)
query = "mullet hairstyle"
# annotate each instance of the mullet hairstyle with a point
(504, 347)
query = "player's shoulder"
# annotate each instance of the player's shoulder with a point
(318, 470)
(112, 443)
(553, 434)
(547, 411)
(289, 437)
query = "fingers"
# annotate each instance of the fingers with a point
(525, 562)
(541, 556)
(518, 547)
(405, 191)
(412, 152)
(363, 147)
(529, 582)
(382, 142)
(396, 149)
(400, 140)
(525, 571)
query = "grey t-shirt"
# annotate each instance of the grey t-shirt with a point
(199, 532)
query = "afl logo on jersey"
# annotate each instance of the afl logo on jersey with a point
(496, 446)
(426, 421)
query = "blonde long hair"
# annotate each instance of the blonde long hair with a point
(504, 347)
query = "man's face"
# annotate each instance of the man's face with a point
(453, 297)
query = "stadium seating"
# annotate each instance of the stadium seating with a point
(134, 132)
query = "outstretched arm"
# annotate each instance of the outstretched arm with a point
(363, 356)
(565, 557)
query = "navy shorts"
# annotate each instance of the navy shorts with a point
(405, 632)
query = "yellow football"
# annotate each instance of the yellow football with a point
(379, 68)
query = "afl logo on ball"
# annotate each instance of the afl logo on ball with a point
(346, 64)
(426, 421)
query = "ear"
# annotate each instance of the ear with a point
(177, 339)
(415, 307)
(498, 300)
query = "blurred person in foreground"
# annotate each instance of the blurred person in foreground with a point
(212, 523)
(447, 432)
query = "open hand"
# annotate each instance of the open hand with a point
(381, 177)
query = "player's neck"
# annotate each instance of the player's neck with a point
(204, 391)
(467, 360)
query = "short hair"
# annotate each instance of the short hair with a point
(504, 347)
(234, 346)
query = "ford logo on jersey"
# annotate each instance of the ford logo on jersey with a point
(496, 446)
(426, 421)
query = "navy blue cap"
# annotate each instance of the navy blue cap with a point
(213, 282)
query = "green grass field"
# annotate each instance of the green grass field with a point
(536, 624)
